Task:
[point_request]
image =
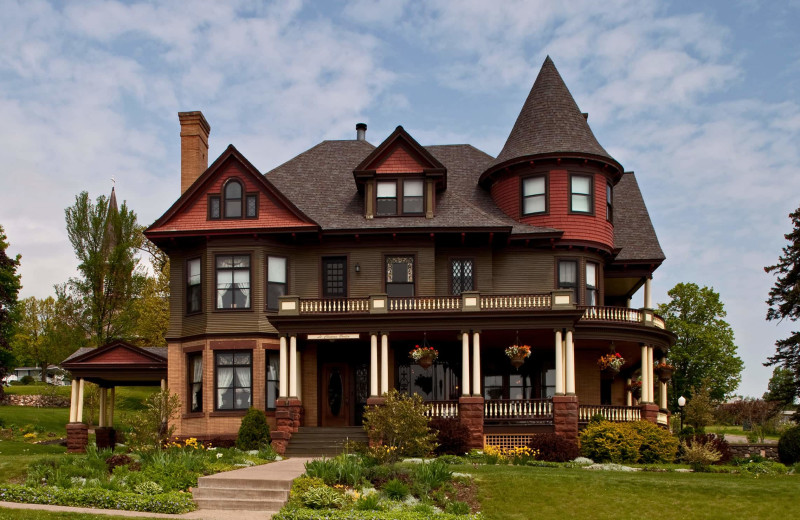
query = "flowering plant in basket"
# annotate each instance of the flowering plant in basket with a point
(420, 353)
(515, 351)
(613, 361)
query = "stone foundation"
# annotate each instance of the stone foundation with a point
(48, 401)
(77, 437)
(745, 451)
(470, 414)
(288, 418)
(105, 437)
(565, 416)
(650, 413)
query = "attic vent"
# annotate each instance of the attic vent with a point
(361, 131)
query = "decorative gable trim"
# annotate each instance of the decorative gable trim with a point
(105, 355)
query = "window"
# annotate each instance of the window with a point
(413, 196)
(568, 274)
(609, 203)
(233, 199)
(273, 360)
(196, 382)
(276, 280)
(334, 277)
(193, 286)
(591, 284)
(580, 194)
(534, 195)
(251, 206)
(462, 275)
(234, 371)
(387, 198)
(233, 282)
(400, 276)
(214, 212)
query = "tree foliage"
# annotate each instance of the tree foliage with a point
(784, 303)
(9, 289)
(781, 388)
(151, 308)
(42, 336)
(699, 410)
(704, 352)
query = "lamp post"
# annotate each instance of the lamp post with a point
(681, 404)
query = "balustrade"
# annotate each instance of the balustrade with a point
(318, 306)
(442, 409)
(609, 413)
(515, 301)
(511, 410)
(433, 303)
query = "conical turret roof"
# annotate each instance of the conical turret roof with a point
(550, 122)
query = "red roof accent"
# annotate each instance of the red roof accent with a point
(399, 161)
(117, 353)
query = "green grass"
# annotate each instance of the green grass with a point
(511, 492)
(15, 456)
(720, 429)
(33, 514)
(51, 419)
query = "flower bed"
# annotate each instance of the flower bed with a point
(173, 502)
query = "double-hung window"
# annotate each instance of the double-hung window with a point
(387, 198)
(233, 282)
(196, 382)
(609, 203)
(580, 189)
(413, 196)
(276, 281)
(534, 195)
(591, 284)
(233, 199)
(461, 272)
(273, 360)
(234, 373)
(194, 291)
(568, 275)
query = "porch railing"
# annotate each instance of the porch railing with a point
(442, 409)
(325, 306)
(624, 314)
(515, 301)
(609, 413)
(432, 303)
(662, 419)
(518, 410)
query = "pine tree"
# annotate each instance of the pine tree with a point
(9, 289)
(784, 302)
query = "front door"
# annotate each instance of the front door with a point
(336, 394)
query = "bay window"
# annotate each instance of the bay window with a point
(233, 282)
(276, 280)
(234, 373)
(193, 286)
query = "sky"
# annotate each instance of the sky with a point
(700, 99)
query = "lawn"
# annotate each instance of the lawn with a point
(511, 492)
(51, 419)
(721, 429)
(32, 514)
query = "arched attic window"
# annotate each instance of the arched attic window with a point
(233, 199)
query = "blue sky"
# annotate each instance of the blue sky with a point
(700, 99)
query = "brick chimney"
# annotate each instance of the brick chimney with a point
(194, 147)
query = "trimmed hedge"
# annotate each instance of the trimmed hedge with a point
(253, 431)
(452, 436)
(172, 503)
(338, 514)
(639, 441)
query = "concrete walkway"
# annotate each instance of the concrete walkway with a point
(288, 470)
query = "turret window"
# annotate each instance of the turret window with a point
(591, 284)
(580, 194)
(534, 195)
(568, 274)
(609, 203)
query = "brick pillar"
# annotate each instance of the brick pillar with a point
(105, 437)
(470, 414)
(650, 412)
(565, 416)
(77, 437)
(288, 417)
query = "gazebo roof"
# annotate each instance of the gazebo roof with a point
(118, 363)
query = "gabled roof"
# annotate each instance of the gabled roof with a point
(400, 140)
(633, 231)
(196, 192)
(550, 123)
(115, 352)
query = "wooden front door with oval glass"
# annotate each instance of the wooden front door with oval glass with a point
(337, 401)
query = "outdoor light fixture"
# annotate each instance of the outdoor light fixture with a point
(681, 404)
(358, 268)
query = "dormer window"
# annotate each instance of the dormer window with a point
(413, 196)
(232, 202)
(400, 197)
(387, 198)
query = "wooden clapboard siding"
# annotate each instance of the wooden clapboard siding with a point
(520, 272)
(482, 268)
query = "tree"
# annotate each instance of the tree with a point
(9, 289)
(105, 239)
(781, 388)
(699, 410)
(151, 308)
(704, 350)
(784, 303)
(42, 336)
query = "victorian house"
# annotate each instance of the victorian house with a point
(303, 291)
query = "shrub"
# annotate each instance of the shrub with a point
(699, 456)
(554, 448)
(699, 409)
(715, 442)
(396, 489)
(150, 427)
(656, 445)
(253, 431)
(323, 498)
(27, 380)
(432, 475)
(172, 503)
(609, 442)
(766, 467)
(369, 502)
(452, 436)
(789, 445)
(302, 484)
(148, 488)
(401, 423)
(345, 470)
(457, 507)
(452, 459)
(121, 460)
(378, 475)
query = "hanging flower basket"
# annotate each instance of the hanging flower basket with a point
(610, 365)
(518, 354)
(635, 388)
(664, 371)
(424, 356)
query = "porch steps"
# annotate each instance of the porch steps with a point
(258, 488)
(323, 442)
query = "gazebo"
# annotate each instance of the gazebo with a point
(117, 363)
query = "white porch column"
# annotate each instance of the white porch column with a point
(648, 295)
(476, 364)
(111, 406)
(651, 387)
(79, 413)
(298, 373)
(384, 364)
(628, 393)
(570, 362)
(465, 363)
(373, 365)
(73, 402)
(645, 374)
(101, 419)
(292, 366)
(662, 396)
(628, 303)
(163, 384)
(559, 364)
(283, 384)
